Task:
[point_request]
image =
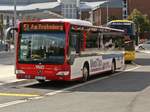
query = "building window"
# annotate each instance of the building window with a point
(92, 40)
(125, 12)
(124, 1)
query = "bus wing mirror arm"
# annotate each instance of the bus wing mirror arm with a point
(8, 31)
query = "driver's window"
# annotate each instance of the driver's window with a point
(76, 41)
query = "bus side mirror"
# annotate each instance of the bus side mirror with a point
(71, 56)
(8, 31)
(71, 59)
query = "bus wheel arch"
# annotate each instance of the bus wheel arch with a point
(85, 72)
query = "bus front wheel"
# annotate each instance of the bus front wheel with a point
(85, 74)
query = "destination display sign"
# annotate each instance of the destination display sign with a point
(27, 27)
(120, 23)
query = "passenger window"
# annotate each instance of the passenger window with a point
(92, 40)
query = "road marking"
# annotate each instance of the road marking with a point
(125, 71)
(12, 103)
(18, 95)
(11, 80)
(132, 69)
(75, 86)
(62, 90)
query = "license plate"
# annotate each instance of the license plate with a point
(40, 78)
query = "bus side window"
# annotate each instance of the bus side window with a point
(108, 42)
(92, 40)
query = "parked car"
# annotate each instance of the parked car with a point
(144, 46)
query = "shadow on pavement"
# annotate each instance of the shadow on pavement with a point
(125, 82)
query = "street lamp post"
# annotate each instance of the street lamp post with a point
(15, 17)
(78, 9)
(15, 13)
(107, 8)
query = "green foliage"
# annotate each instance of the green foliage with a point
(141, 21)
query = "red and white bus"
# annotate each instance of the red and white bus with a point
(66, 49)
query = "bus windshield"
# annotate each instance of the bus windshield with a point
(42, 47)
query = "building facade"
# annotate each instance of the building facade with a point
(130, 5)
(109, 11)
(141, 5)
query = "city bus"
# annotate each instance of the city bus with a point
(66, 49)
(129, 38)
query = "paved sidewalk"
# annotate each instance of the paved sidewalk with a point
(7, 74)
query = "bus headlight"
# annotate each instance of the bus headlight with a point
(63, 73)
(20, 72)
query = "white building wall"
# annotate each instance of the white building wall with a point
(70, 8)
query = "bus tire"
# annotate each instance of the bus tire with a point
(113, 67)
(85, 73)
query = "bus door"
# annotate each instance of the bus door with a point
(75, 44)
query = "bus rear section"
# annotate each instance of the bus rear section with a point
(129, 51)
(129, 39)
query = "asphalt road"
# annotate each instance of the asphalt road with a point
(121, 92)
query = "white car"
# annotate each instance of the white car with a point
(144, 46)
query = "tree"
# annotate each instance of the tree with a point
(141, 21)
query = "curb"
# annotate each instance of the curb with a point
(144, 51)
(18, 82)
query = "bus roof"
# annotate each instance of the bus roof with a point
(108, 29)
(112, 29)
(71, 21)
(121, 21)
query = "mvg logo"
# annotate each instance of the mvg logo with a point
(39, 66)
